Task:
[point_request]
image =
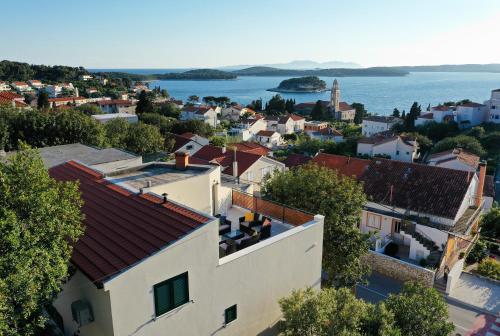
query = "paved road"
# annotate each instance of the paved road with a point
(468, 320)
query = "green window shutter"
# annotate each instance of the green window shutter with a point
(180, 290)
(230, 314)
(162, 298)
(171, 293)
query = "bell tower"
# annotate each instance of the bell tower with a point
(335, 96)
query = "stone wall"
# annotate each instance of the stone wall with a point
(399, 269)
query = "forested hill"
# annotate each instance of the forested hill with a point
(268, 71)
(18, 71)
(452, 68)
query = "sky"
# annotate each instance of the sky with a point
(211, 33)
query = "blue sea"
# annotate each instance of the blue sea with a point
(379, 94)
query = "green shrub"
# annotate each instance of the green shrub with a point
(489, 268)
(478, 252)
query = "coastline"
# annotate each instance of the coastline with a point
(297, 91)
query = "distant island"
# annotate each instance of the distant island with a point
(344, 72)
(301, 84)
(197, 74)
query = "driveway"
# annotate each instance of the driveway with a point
(477, 291)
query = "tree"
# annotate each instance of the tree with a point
(256, 105)
(193, 99)
(333, 312)
(360, 112)
(420, 310)
(40, 219)
(461, 141)
(276, 105)
(71, 126)
(193, 126)
(290, 105)
(4, 134)
(43, 100)
(170, 110)
(489, 268)
(490, 223)
(478, 253)
(144, 139)
(145, 103)
(218, 141)
(409, 121)
(340, 199)
(424, 142)
(319, 111)
(117, 132)
(165, 124)
(438, 131)
(396, 113)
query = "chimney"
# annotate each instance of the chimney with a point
(480, 186)
(235, 164)
(164, 197)
(223, 149)
(181, 160)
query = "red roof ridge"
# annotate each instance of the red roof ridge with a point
(85, 168)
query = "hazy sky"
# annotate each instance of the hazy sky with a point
(208, 33)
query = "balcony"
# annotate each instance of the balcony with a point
(251, 220)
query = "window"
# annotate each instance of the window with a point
(230, 314)
(189, 147)
(171, 294)
(407, 153)
(250, 176)
(397, 152)
(373, 221)
(396, 224)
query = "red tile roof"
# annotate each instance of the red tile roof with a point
(65, 99)
(344, 165)
(294, 160)
(121, 228)
(20, 84)
(180, 141)
(457, 154)
(302, 106)
(196, 109)
(251, 147)
(343, 106)
(10, 95)
(5, 101)
(416, 187)
(215, 155)
(472, 104)
(188, 135)
(296, 117)
(429, 115)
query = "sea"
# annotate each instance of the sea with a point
(380, 95)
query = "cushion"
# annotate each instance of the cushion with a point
(249, 217)
(266, 222)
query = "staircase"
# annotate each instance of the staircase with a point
(440, 285)
(429, 244)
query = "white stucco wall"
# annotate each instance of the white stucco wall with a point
(254, 279)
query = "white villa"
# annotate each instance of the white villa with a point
(270, 139)
(494, 106)
(395, 147)
(376, 124)
(207, 114)
(154, 259)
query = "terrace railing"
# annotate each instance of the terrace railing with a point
(271, 209)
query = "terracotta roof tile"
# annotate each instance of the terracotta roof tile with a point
(266, 133)
(214, 154)
(294, 160)
(346, 166)
(251, 147)
(121, 228)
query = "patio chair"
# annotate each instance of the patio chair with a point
(265, 231)
(227, 247)
(246, 228)
(249, 241)
(224, 225)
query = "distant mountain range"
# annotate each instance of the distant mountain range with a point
(296, 65)
(339, 72)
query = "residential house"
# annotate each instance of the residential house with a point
(314, 126)
(439, 114)
(53, 90)
(86, 77)
(248, 128)
(75, 101)
(389, 145)
(117, 106)
(35, 84)
(327, 134)
(270, 139)
(189, 143)
(4, 86)
(207, 114)
(235, 112)
(152, 257)
(471, 114)
(244, 166)
(177, 102)
(12, 99)
(252, 147)
(104, 118)
(91, 91)
(104, 160)
(493, 106)
(430, 212)
(20, 86)
(291, 123)
(456, 158)
(376, 124)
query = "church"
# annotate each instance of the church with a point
(341, 111)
